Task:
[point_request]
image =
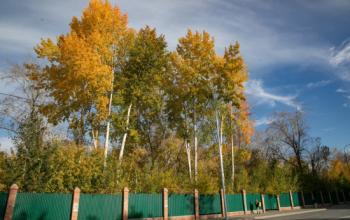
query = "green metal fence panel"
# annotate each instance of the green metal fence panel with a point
(180, 204)
(35, 206)
(251, 200)
(209, 204)
(285, 200)
(270, 202)
(234, 202)
(308, 198)
(142, 205)
(297, 201)
(317, 196)
(326, 197)
(3, 203)
(347, 195)
(334, 197)
(100, 207)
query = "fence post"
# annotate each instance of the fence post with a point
(125, 203)
(196, 204)
(165, 204)
(278, 203)
(263, 203)
(291, 199)
(75, 204)
(322, 200)
(244, 196)
(302, 199)
(11, 201)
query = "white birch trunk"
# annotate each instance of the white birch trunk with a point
(108, 120)
(188, 151)
(94, 138)
(121, 153)
(195, 150)
(232, 160)
(219, 126)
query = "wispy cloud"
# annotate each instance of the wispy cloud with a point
(340, 90)
(263, 121)
(255, 89)
(340, 59)
(318, 84)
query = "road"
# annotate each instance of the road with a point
(334, 212)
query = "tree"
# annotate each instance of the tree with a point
(81, 69)
(289, 134)
(140, 89)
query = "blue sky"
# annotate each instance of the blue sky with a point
(297, 52)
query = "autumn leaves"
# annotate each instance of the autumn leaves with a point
(124, 87)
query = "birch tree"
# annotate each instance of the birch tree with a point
(81, 69)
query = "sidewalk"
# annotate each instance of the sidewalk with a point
(275, 214)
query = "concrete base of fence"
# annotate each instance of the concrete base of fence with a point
(229, 214)
(184, 217)
(210, 216)
(285, 208)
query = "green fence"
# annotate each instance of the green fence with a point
(347, 195)
(3, 203)
(209, 204)
(234, 202)
(251, 200)
(181, 204)
(42, 206)
(318, 198)
(326, 197)
(270, 202)
(142, 205)
(334, 197)
(100, 207)
(297, 200)
(308, 198)
(285, 200)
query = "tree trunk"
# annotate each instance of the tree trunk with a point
(121, 153)
(109, 120)
(219, 126)
(195, 148)
(232, 160)
(95, 138)
(188, 151)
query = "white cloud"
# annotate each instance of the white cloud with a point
(254, 89)
(6, 144)
(263, 121)
(340, 59)
(318, 84)
(340, 90)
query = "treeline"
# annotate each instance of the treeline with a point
(137, 114)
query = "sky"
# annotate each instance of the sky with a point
(297, 52)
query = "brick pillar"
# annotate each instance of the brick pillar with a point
(302, 199)
(196, 204)
(222, 203)
(165, 204)
(11, 201)
(278, 203)
(330, 197)
(263, 203)
(291, 199)
(75, 204)
(125, 203)
(244, 195)
(322, 200)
